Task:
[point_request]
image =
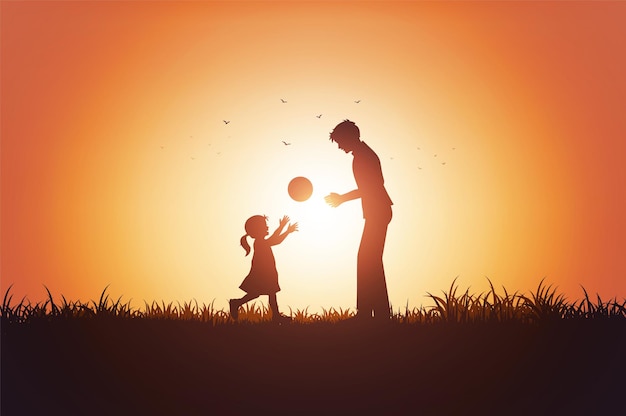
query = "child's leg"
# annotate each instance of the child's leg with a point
(236, 303)
(276, 316)
(247, 298)
(273, 304)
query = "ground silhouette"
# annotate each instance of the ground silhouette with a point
(142, 366)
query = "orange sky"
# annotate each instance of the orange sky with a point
(118, 169)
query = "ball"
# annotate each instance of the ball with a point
(300, 189)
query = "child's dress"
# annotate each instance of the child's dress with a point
(263, 276)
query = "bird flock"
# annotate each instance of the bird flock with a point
(283, 101)
(434, 156)
(318, 116)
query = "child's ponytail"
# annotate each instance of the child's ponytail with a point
(254, 226)
(244, 244)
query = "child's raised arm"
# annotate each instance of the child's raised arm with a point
(277, 237)
(292, 227)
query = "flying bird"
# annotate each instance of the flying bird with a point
(226, 121)
(283, 101)
(357, 101)
(286, 144)
(443, 163)
(320, 116)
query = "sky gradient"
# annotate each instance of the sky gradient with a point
(500, 128)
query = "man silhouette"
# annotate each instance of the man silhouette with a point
(372, 298)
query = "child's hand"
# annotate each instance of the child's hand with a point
(292, 227)
(283, 221)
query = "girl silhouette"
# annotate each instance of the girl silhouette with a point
(263, 276)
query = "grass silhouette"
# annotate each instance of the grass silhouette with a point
(542, 305)
(502, 353)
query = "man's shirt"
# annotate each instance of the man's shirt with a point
(369, 179)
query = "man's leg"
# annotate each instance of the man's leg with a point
(372, 293)
(380, 297)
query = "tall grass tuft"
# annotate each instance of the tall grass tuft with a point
(586, 309)
(11, 314)
(188, 311)
(453, 309)
(253, 313)
(545, 304)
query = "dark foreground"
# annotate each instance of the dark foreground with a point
(90, 367)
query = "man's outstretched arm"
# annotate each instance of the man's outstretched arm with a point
(334, 199)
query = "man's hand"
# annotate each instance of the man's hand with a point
(333, 199)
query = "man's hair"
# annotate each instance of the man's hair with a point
(345, 129)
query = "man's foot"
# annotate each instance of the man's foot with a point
(363, 316)
(281, 319)
(382, 317)
(234, 309)
(367, 319)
